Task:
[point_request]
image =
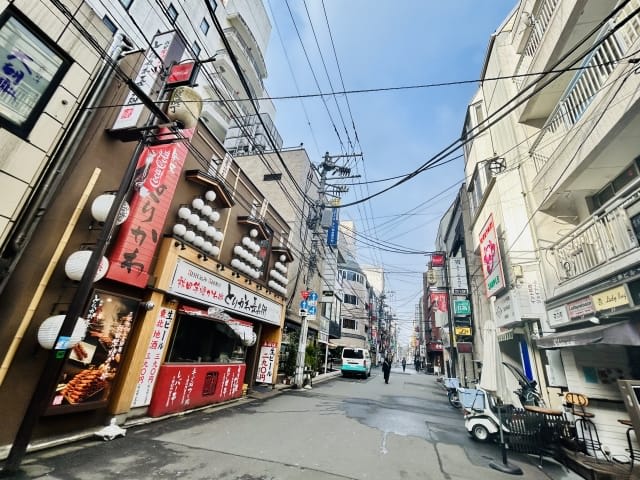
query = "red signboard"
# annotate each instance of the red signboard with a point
(183, 387)
(305, 294)
(181, 74)
(439, 301)
(158, 171)
(437, 259)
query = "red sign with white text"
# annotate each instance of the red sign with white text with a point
(157, 174)
(183, 387)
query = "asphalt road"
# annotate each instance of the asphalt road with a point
(343, 428)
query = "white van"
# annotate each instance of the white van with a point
(356, 361)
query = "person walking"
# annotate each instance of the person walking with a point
(386, 368)
(404, 363)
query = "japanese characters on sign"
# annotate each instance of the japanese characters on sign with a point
(491, 258)
(180, 387)
(266, 363)
(151, 365)
(30, 69)
(190, 281)
(158, 171)
(93, 364)
(164, 48)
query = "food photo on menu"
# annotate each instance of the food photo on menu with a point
(93, 363)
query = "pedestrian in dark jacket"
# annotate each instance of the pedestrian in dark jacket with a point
(386, 369)
(404, 363)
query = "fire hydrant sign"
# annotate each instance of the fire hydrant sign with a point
(266, 363)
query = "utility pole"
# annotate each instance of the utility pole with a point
(449, 316)
(328, 165)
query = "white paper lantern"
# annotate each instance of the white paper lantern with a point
(206, 210)
(49, 329)
(190, 236)
(215, 216)
(210, 195)
(218, 236)
(198, 241)
(197, 203)
(184, 213)
(215, 251)
(193, 219)
(207, 246)
(202, 226)
(283, 258)
(179, 229)
(211, 231)
(253, 232)
(77, 262)
(235, 263)
(102, 205)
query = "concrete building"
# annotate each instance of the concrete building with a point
(552, 181)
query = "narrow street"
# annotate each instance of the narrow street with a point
(343, 428)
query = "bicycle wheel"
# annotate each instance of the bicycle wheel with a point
(454, 399)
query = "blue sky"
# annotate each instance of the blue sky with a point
(379, 45)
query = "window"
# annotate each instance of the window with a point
(172, 12)
(352, 353)
(326, 309)
(479, 113)
(33, 66)
(196, 49)
(350, 299)
(204, 26)
(610, 189)
(349, 323)
(126, 3)
(202, 340)
(481, 178)
(110, 25)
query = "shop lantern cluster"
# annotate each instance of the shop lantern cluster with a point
(277, 274)
(246, 259)
(195, 225)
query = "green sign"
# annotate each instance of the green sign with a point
(461, 307)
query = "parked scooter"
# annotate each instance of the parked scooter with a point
(480, 414)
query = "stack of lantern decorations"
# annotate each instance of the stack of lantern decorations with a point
(246, 260)
(278, 280)
(196, 228)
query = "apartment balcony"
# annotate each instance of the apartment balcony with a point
(552, 30)
(606, 243)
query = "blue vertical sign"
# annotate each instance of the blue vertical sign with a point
(332, 233)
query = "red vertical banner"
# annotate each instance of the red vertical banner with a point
(157, 173)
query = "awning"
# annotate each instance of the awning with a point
(241, 328)
(620, 333)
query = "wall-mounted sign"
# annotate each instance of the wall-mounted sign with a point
(332, 232)
(165, 48)
(437, 259)
(491, 258)
(152, 360)
(557, 316)
(463, 331)
(458, 276)
(506, 311)
(461, 307)
(191, 281)
(32, 67)
(580, 308)
(94, 363)
(612, 298)
(439, 301)
(158, 171)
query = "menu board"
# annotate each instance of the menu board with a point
(92, 364)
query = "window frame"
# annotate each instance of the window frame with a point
(172, 12)
(206, 23)
(23, 129)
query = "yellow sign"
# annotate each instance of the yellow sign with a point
(614, 297)
(463, 331)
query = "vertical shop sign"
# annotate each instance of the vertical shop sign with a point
(491, 258)
(332, 232)
(440, 301)
(93, 364)
(151, 365)
(458, 276)
(266, 363)
(165, 48)
(158, 171)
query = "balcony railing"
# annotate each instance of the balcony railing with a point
(539, 22)
(605, 236)
(586, 84)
